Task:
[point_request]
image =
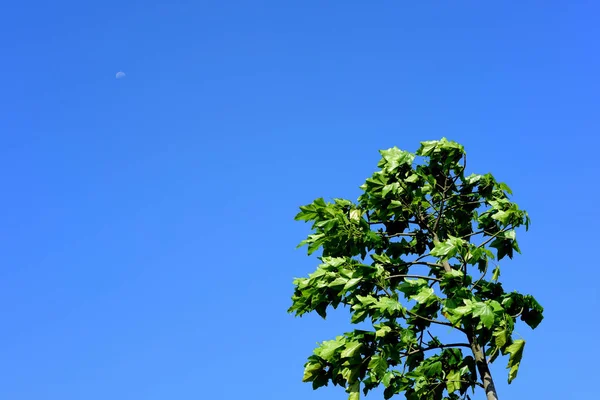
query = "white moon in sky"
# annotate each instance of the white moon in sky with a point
(120, 75)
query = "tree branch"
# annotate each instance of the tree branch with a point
(439, 346)
(399, 234)
(483, 368)
(432, 338)
(482, 276)
(430, 278)
(417, 262)
(425, 226)
(382, 222)
(495, 235)
(474, 233)
(435, 321)
(385, 290)
(443, 201)
(465, 204)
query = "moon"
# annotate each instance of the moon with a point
(120, 75)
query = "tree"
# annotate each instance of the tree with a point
(416, 254)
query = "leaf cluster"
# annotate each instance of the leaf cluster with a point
(418, 249)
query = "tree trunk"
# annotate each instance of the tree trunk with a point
(484, 370)
(480, 361)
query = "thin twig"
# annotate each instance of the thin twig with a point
(398, 234)
(443, 203)
(465, 204)
(433, 265)
(430, 278)
(495, 235)
(482, 276)
(519, 313)
(385, 290)
(383, 222)
(438, 346)
(432, 338)
(434, 321)
(474, 233)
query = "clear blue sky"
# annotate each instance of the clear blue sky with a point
(148, 245)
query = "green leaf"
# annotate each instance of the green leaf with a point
(395, 204)
(351, 349)
(311, 370)
(496, 307)
(377, 181)
(533, 314)
(311, 211)
(327, 225)
(504, 186)
(411, 286)
(328, 348)
(413, 178)
(359, 316)
(464, 310)
(382, 331)
(425, 296)
(500, 337)
(485, 312)
(394, 157)
(431, 147)
(378, 366)
(352, 283)
(350, 373)
(427, 147)
(496, 273)
(392, 187)
(366, 300)
(503, 216)
(383, 259)
(390, 306)
(453, 355)
(473, 179)
(504, 247)
(453, 379)
(338, 282)
(516, 353)
(453, 274)
(431, 370)
(443, 249)
(387, 378)
(334, 263)
(448, 248)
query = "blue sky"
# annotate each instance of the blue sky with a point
(148, 242)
